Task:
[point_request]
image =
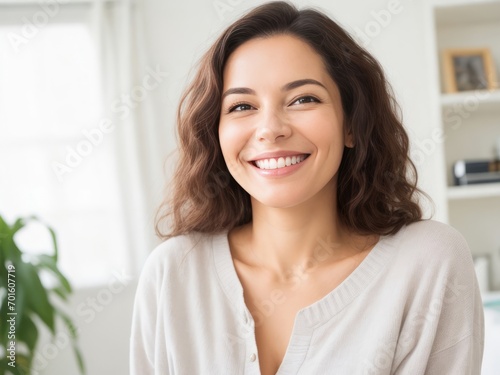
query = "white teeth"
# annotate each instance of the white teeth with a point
(280, 163)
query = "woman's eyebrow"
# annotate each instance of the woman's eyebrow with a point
(238, 90)
(289, 86)
(301, 82)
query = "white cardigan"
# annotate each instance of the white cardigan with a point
(411, 307)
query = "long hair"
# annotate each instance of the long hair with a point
(377, 182)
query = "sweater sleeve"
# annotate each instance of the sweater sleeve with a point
(463, 358)
(449, 329)
(144, 321)
(459, 342)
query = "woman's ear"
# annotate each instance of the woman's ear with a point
(348, 138)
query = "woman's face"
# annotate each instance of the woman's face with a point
(281, 125)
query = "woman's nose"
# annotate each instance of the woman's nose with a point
(272, 126)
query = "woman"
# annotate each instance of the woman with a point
(297, 245)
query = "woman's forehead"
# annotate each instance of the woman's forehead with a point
(279, 59)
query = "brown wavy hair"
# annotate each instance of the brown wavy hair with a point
(377, 181)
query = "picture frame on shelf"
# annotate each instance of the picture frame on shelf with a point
(468, 69)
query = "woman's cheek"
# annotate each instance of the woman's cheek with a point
(231, 144)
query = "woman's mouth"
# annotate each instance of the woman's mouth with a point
(281, 162)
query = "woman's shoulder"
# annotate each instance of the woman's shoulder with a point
(173, 253)
(432, 226)
(432, 231)
(431, 239)
(431, 257)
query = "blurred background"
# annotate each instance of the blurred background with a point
(88, 94)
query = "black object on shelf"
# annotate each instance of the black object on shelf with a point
(467, 172)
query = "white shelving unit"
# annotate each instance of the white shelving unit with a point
(474, 191)
(485, 100)
(470, 122)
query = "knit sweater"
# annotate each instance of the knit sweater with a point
(411, 307)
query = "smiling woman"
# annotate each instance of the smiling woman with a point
(297, 243)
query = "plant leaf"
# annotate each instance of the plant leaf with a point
(22, 366)
(68, 323)
(32, 299)
(21, 295)
(54, 243)
(60, 292)
(3, 268)
(28, 333)
(49, 262)
(55, 255)
(10, 249)
(38, 302)
(3, 225)
(6, 369)
(23, 363)
(79, 358)
(4, 327)
(18, 224)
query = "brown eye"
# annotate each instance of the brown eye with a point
(240, 107)
(305, 100)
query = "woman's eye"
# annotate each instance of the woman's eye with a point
(305, 100)
(240, 107)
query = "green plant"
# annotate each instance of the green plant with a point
(26, 302)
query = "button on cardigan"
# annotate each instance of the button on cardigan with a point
(411, 307)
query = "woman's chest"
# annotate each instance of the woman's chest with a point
(274, 308)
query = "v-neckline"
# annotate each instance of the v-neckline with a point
(313, 315)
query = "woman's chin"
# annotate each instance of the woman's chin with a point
(278, 201)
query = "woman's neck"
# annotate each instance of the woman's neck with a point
(302, 237)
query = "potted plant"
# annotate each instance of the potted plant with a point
(26, 302)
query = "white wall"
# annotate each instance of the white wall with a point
(103, 317)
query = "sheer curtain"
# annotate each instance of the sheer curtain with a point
(77, 144)
(129, 84)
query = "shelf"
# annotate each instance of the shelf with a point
(460, 12)
(474, 191)
(487, 100)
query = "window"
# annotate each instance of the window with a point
(58, 158)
